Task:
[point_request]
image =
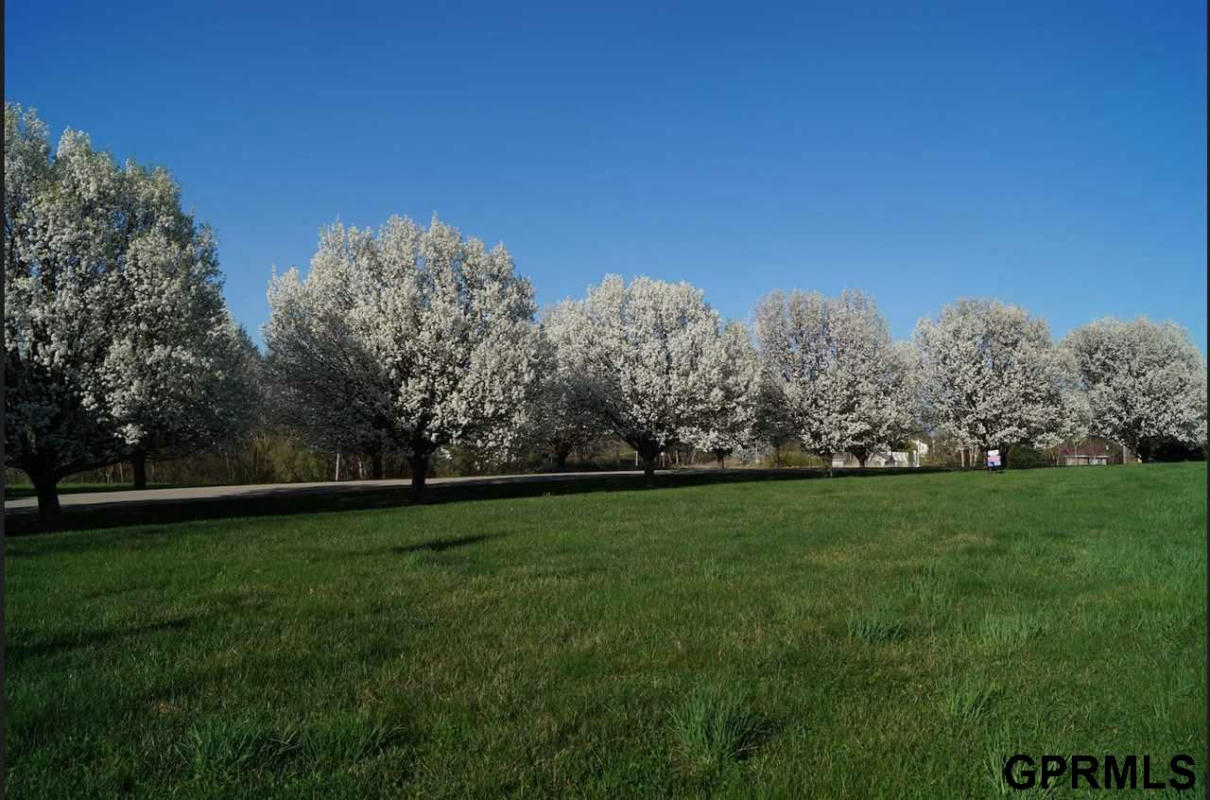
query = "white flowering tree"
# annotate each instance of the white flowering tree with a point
(179, 373)
(887, 410)
(321, 378)
(646, 355)
(991, 378)
(1146, 383)
(407, 339)
(562, 419)
(830, 365)
(729, 423)
(116, 337)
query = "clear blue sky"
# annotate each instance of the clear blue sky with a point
(1048, 154)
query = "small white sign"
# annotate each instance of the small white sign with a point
(993, 459)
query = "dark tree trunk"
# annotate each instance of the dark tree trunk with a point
(420, 469)
(139, 462)
(46, 488)
(561, 454)
(376, 470)
(649, 454)
(827, 464)
(861, 461)
(722, 461)
(649, 470)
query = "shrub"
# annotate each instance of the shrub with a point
(1023, 457)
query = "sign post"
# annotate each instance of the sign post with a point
(993, 461)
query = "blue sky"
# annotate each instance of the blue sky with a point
(1048, 154)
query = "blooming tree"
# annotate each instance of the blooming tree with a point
(990, 377)
(646, 356)
(179, 373)
(321, 378)
(831, 365)
(1146, 383)
(562, 419)
(410, 338)
(116, 337)
(729, 423)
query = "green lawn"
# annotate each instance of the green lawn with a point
(893, 636)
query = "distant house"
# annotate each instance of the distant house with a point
(1089, 452)
(1082, 460)
(894, 458)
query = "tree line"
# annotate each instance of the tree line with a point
(406, 340)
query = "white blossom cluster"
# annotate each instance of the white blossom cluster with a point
(655, 365)
(989, 375)
(1146, 383)
(117, 340)
(831, 373)
(405, 339)
(562, 419)
(729, 423)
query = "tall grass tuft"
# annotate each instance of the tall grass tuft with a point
(715, 727)
(1007, 631)
(970, 699)
(341, 740)
(217, 747)
(876, 627)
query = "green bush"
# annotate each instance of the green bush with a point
(1023, 457)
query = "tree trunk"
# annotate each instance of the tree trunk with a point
(561, 454)
(827, 462)
(139, 462)
(861, 461)
(420, 469)
(47, 490)
(376, 470)
(722, 462)
(649, 472)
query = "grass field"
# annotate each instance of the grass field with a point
(851, 638)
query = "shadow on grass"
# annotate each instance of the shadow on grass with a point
(441, 545)
(16, 652)
(286, 500)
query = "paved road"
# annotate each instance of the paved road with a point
(199, 493)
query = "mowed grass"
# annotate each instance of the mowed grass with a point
(887, 637)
